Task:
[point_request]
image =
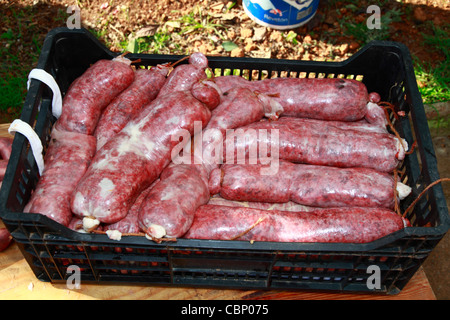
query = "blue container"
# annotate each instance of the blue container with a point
(281, 14)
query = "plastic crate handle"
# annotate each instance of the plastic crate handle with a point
(46, 78)
(35, 143)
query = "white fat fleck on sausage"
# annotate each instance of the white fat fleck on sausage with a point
(403, 190)
(78, 202)
(102, 164)
(134, 132)
(129, 146)
(114, 234)
(136, 142)
(106, 187)
(173, 120)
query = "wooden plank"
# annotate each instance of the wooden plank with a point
(4, 130)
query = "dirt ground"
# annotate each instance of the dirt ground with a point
(206, 25)
(116, 21)
(214, 22)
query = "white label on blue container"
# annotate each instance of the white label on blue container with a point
(282, 13)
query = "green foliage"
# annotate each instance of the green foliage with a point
(197, 21)
(292, 37)
(434, 81)
(13, 78)
(153, 44)
(229, 45)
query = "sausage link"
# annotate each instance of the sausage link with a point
(158, 220)
(91, 93)
(66, 160)
(170, 216)
(134, 158)
(330, 225)
(318, 143)
(184, 76)
(309, 185)
(316, 98)
(143, 90)
(5, 148)
(168, 209)
(5, 239)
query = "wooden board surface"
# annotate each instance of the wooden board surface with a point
(4, 130)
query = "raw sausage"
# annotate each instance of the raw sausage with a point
(163, 215)
(309, 185)
(168, 209)
(131, 160)
(130, 224)
(239, 107)
(5, 154)
(207, 92)
(143, 90)
(3, 166)
(330, 225)
(318, 143)
(5, 148)
(317, 98)
(91, 93)
(5, 239)
(156, 221)
(66, 160)
(184, 76)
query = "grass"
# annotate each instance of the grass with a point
(434, 81)
(166, 36)
(14, 72)
(197, 21)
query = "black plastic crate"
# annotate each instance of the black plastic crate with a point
(49, 248)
